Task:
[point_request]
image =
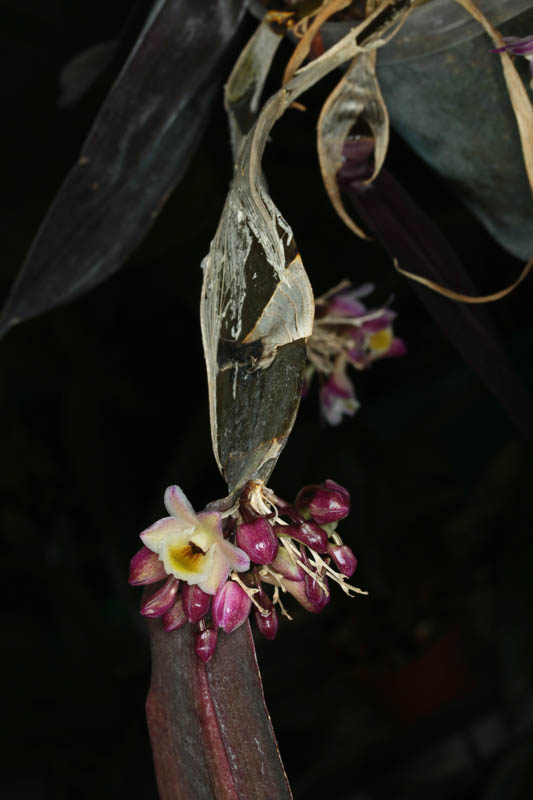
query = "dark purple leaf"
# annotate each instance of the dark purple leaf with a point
(138, 149)
(211, 735)
(409, 235)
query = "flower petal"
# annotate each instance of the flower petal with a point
(397, 348)
(238, 559)
(211, 521)
(175, 617)
(178, 506)
(155, 536)
(145, 567)
(219, 570)
(337, 397)
(160, 602)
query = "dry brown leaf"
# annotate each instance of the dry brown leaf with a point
(301, 51)
(465, 298)
(518, 95)
(356, 96)
(257, 304)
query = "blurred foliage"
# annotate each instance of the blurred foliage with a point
(105, 404)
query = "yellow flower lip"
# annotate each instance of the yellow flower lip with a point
(380, 340)
(187, 558)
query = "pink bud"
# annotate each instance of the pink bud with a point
(159, 603)
(267, 624)
(145, 567)
(205, 643)
(344, 558)
(297, 589)
(175, 617)
(258, 540)
(231, 606)
(330, 503)
(195, 602)
(284, 564)
(315, 593)
(308, 533)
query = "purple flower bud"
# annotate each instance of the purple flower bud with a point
(344, 558)
(231, 606)
(297, 589)
(330, 503)
(267, 624)
(159, 603)
(308, 533)
(315, 594)
(258, 540)
(175, 617)
(195, 602)
(205, 643)
(145, 567)
(284, 564)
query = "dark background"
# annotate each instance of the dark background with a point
(423, 688)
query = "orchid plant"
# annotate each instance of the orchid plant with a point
(264, 336)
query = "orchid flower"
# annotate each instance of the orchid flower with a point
(347, 333)
(191, 546)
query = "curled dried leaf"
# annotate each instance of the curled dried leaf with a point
(466, 298)
(356, 97)
(518, 95)
(246, 82)
(301, 51)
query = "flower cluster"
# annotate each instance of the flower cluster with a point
(216, 566)
(346, 333)
(519, 47)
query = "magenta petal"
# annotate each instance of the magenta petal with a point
(205, 643)
(286, 566)
(308, 533)
(397, 348)
(345, 304)
(267, 624)
(195, 602)
(160, 601)
(344, 558)
(258, 540)
(175, 617)
(145, 567)
(231, 607)
(315, 594)
(297, 589)
(329, 505)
